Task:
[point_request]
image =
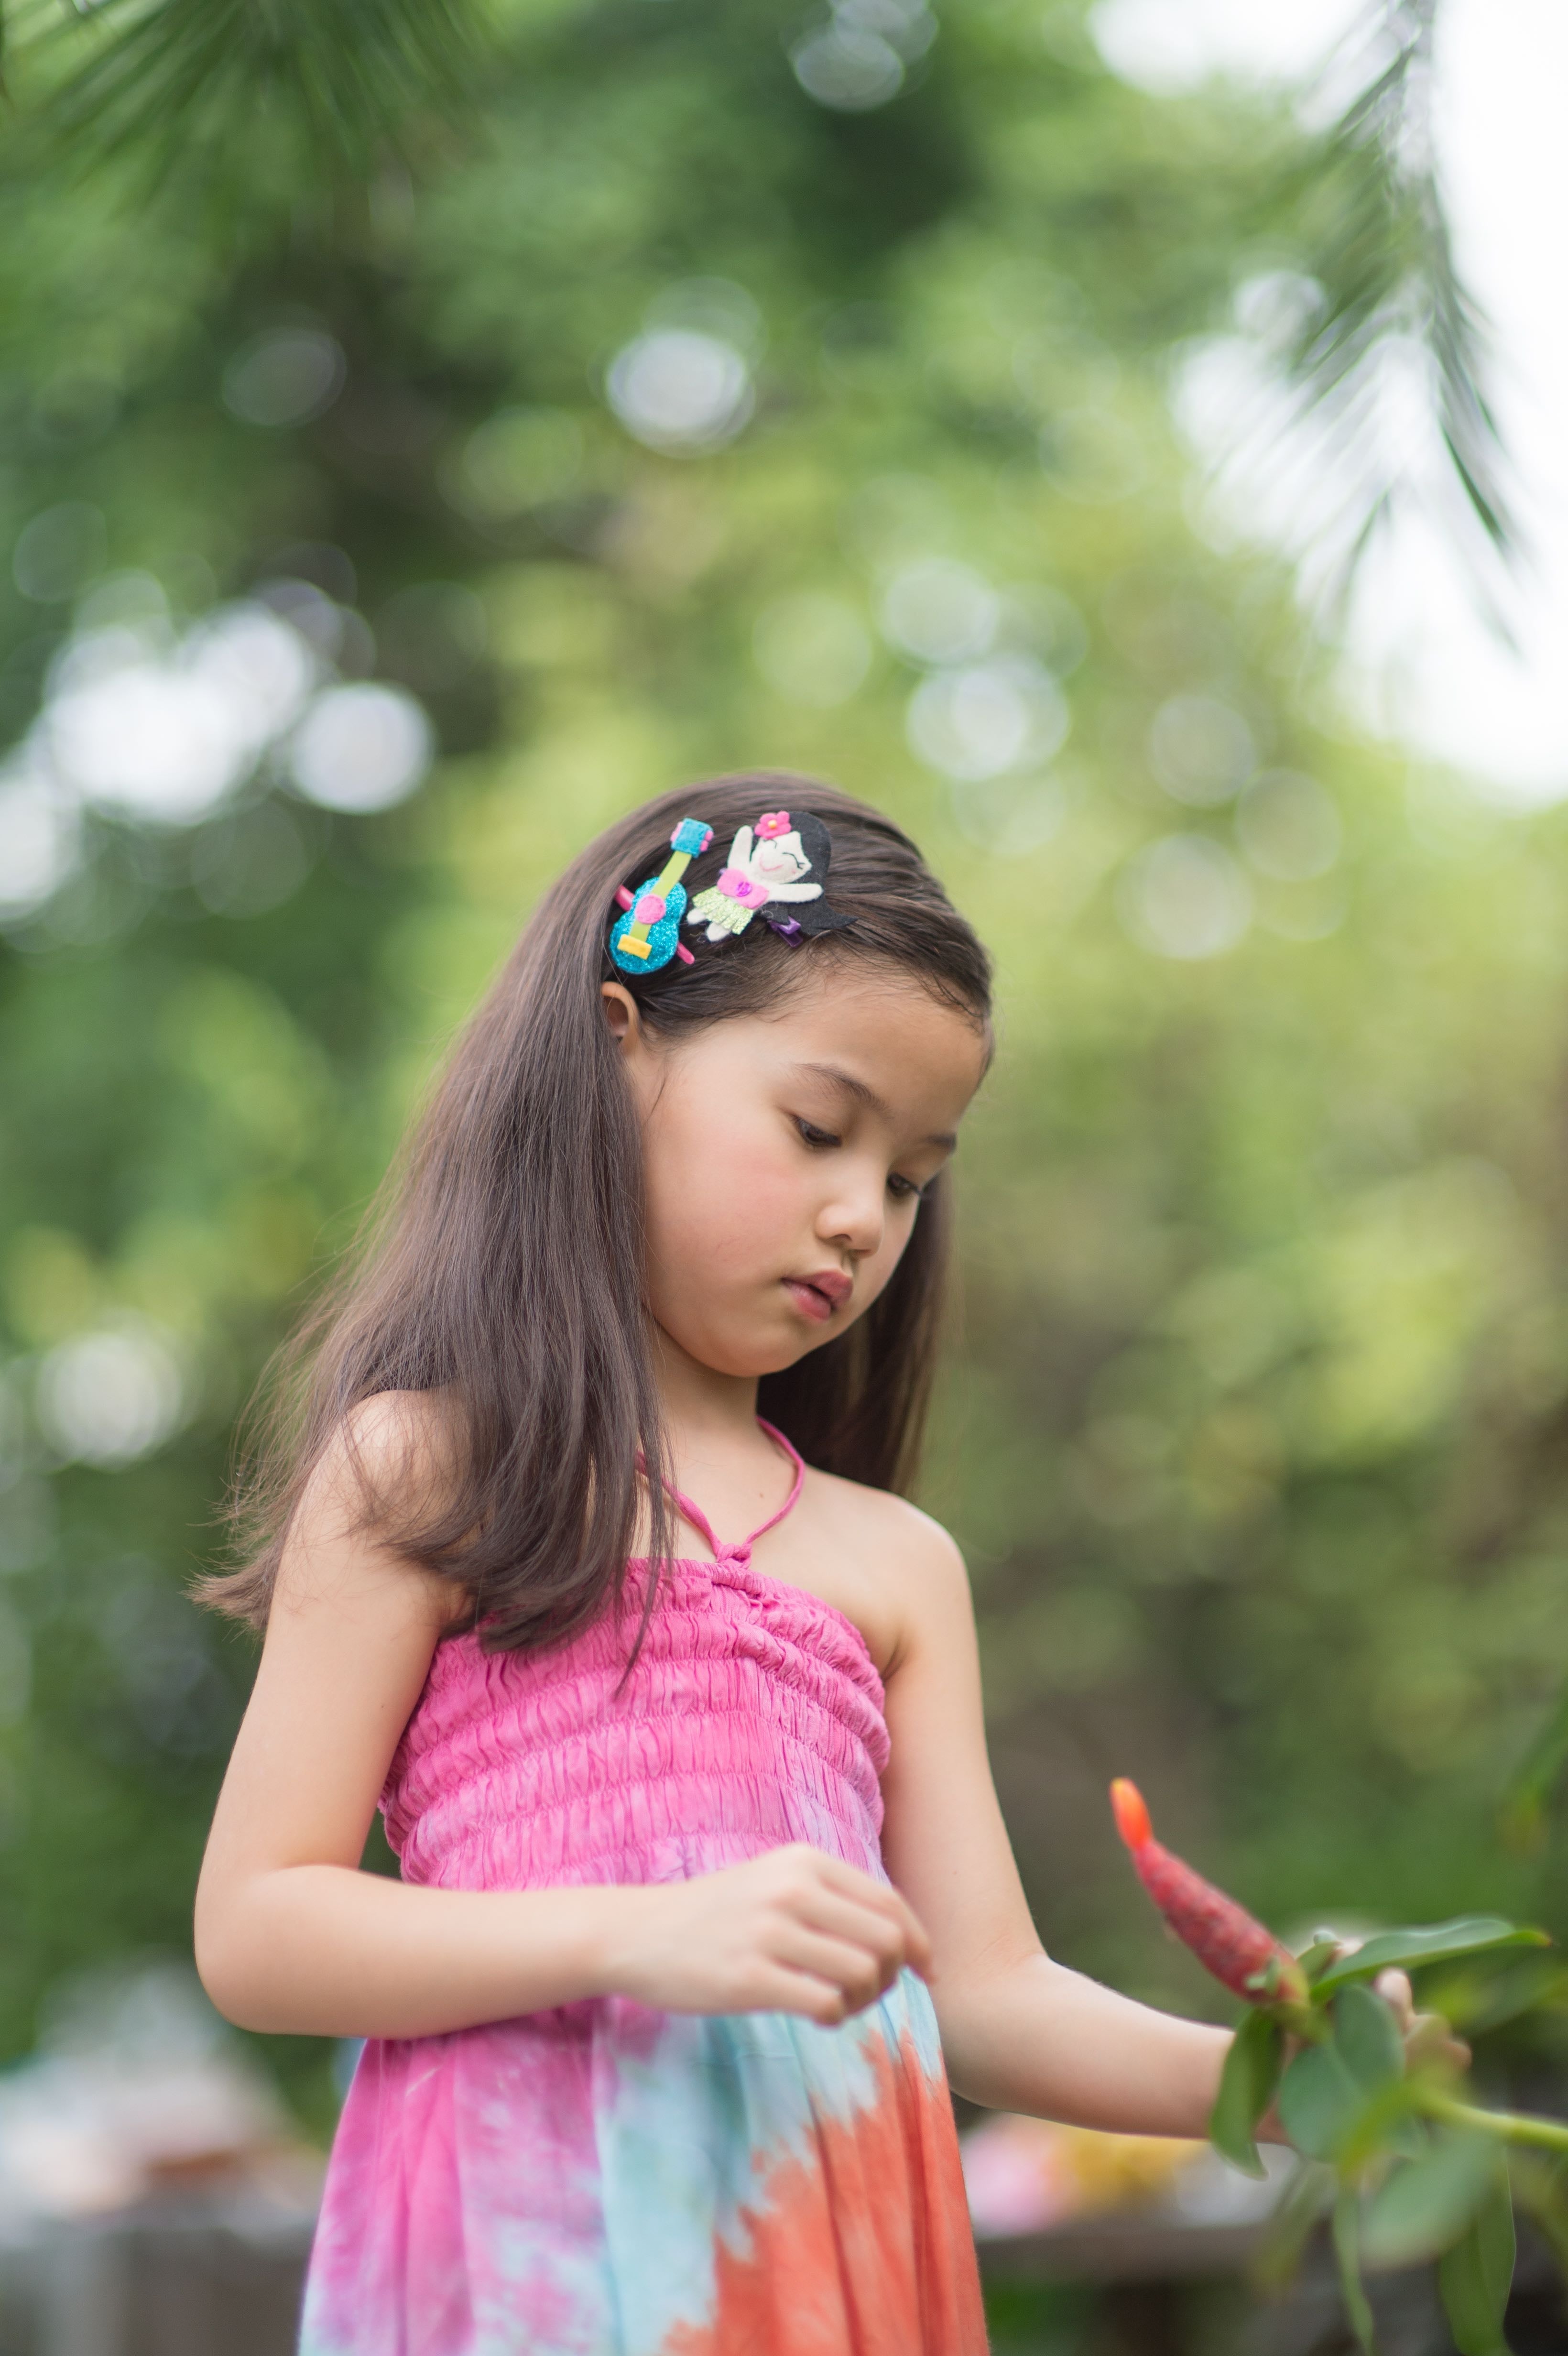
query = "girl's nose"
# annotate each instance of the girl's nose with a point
(853, 1217)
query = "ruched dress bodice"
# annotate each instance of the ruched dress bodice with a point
(752, 1716)
(600, 2178)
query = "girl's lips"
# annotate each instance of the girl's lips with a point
(818, 1296)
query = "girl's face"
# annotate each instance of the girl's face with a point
(785, 1154)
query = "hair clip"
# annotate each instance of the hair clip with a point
(648, 935)
(769, 865)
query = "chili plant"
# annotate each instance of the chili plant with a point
(1396, 2156)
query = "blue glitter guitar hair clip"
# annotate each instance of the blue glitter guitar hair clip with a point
(648, 935)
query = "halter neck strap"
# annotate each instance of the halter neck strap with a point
(740, 1551)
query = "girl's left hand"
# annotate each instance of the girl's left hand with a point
(1426, 2037)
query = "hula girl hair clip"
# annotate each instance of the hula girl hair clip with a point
(780, 863)
(648, 935)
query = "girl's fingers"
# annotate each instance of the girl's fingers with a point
(861, 1975)
(780, 1990)
(1432, 2040)
(878, 1897)
(1394, 1989)
(880, 1933)
(917, 1946)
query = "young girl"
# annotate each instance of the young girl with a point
(589, 1564)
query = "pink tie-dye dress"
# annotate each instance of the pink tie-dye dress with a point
(602, 2180)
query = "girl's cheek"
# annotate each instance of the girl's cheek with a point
(725, 1188)
(733, 1204)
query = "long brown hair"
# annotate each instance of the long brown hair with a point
(502, 1264)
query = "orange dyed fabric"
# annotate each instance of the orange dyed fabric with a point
(861, 2247)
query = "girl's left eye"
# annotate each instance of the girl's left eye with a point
(904, 1189)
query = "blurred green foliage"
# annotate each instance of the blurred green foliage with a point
(1254, 1420)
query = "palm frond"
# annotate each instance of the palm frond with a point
(1394, 316)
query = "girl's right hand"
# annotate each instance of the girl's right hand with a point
(793, 1931)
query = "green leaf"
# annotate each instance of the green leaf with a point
(1246, 2087)
(1320, 2101)
(1348, 2256)
(1315, 1959)
(1423, 2205)
(1476, 2275)
(1367, 2037)
(1436, 1942)
(1308, 2197)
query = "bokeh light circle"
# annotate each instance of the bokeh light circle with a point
(362, 748)
(1200, 749)
(148, 728)
(1185, 897)
(848, 68)
(984, 719)
(285, 376)
(111, 1396)
(40, 838)
(59, 552)
(146, 740)
(940, 611)
(680, 389)
(1288, 827)
(259, 663)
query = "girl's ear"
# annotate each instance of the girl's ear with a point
(621, 1012)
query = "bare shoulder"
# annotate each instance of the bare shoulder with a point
(392, 1456)
(904, 1571)
(885, 1526)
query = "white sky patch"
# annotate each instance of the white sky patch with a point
(1420, 657)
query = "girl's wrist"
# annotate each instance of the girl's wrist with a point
(609, 1913)
(560, 1945)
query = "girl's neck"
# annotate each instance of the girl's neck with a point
(719, 1455)
(707, 1415)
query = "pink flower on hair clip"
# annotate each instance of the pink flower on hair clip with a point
(772, 824)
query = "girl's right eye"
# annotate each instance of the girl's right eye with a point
(813, 1136)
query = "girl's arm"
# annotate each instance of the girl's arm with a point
(1019, 2032)
(291, 1937)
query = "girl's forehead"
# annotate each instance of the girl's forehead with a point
(883, 1028)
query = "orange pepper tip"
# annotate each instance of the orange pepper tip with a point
(1132, 1816)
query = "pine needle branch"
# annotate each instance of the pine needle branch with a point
(172, 86)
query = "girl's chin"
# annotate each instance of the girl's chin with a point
(750, 1357)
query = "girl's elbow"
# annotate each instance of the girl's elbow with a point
(214, 1969)
(226, 1965)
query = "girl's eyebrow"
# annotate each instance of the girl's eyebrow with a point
(866, 1094)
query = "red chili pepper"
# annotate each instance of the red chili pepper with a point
(1226, 1939)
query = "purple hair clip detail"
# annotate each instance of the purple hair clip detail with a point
(781, 863)
(648, 935)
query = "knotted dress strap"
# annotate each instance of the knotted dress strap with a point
(742, 1551)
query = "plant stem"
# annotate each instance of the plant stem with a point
(1348, 2253)
(1510, 2126)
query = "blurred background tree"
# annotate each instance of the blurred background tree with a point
(685, 388)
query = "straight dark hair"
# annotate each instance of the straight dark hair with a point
(502, 1263)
